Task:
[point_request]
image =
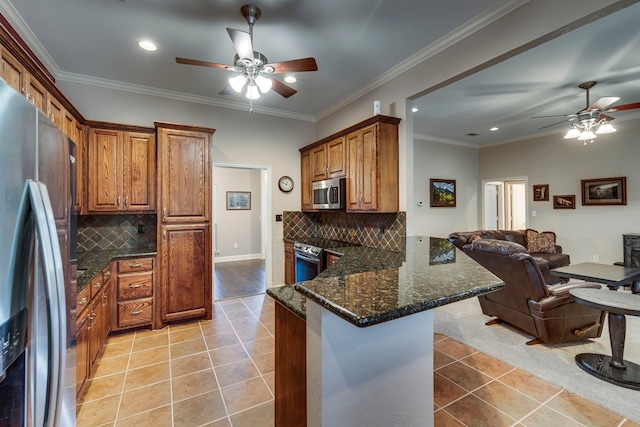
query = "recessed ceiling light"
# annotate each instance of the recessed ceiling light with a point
(147, 45)
(415, 109)
(290, 79)
(493, 129)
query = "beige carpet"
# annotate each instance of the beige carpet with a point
(464, 322)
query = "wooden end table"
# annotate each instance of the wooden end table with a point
(613, 276)
(613, 369)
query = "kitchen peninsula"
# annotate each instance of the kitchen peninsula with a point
(364, 330)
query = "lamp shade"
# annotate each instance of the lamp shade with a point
(264, 84)
(252, 92)
(237, 82)
(605, 127)
(587, 134)
(573, 133)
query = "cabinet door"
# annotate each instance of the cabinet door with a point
(307, 179)
(184, 176)
(82, 354)
(13, 72)
(369, 169)
(36, 93)
(55, 111)
(139, 168)
(186, 271)
(289, 264)
(319, 163)
(354, 174)
(105, 176)
(69, 126)
(336, 158)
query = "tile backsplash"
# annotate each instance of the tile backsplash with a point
(382, 231)
(104, 232)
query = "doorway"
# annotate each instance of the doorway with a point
(505, 204)
(240, 233)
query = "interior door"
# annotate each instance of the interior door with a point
(491, 192)
(515, 206)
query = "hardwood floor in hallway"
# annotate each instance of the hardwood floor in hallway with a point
(234, 279)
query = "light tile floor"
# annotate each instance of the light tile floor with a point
(220, 373)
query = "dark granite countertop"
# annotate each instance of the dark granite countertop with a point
(90, 263)
(368, 286)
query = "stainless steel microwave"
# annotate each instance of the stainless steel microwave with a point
(330, 194)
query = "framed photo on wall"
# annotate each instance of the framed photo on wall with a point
(541, 192)
(238, 200)
(564, 201)
(604, 191)
(442, 193)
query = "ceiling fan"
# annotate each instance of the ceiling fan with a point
(593, 117)
(252, 67)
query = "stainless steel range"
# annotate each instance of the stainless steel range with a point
(309, 261)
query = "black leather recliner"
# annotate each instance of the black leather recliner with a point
(548, 312)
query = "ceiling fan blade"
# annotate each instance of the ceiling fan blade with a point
(242, 43)
(556, 123)
(281, 88)
(555, 115)
(227, 91)
(201, 63)
(605, 117)
(631, 106)
(295, 65)
(603, 103)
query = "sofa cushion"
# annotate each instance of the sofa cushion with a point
(554, 260)
(544, 242)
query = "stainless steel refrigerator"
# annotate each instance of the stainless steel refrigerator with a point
(37, 330)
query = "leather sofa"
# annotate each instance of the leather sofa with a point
(547, 312)
(545, 260)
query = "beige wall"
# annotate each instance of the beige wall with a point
(587, 230)
(445, 161)
(241, 228)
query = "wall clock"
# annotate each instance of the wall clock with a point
(285, 184)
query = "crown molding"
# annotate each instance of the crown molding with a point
(462, 32)
(175, 95)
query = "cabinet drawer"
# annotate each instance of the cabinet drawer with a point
(135, 286)
(106, 274)
(82, 301)
(135, 312)
(95, 285)
(132, 265)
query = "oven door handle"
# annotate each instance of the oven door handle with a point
(305, 257)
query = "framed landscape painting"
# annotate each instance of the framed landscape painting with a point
(604, 191)
(443, 193)
(238, 200)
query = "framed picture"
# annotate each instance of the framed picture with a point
(604, 191)
(564, 202)
(541, 193)
(443, 193)
(238, 200)
(441, 251)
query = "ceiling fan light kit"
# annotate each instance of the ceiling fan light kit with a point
(592, 121)
(252, 67)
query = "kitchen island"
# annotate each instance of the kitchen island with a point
(368, 333)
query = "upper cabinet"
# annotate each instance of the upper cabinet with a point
(367, 154)
(329, 160)
(121, 171)
(184, 175)
(13, 72)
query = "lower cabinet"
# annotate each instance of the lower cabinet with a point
(186, 284)
(289, 264)
(82, 354)
(134, 293)
(332, 259)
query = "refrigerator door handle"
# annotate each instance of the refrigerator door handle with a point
(54, 285)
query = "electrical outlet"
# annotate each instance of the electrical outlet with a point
(140, 228)
(235, 246)
(534, 213)
(596, 258)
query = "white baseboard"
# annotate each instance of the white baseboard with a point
(237, 257)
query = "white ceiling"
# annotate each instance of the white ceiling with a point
(355, 42)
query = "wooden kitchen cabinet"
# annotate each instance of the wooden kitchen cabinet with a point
(372, 172)
(35, 93)
(134, 295)
(332, 259)
(289, 264)
(82, 353)
(329, 160)
(55, 112)
(12, 72)
(186, 271)
(184, 232)
(121, 171)
(307, 181)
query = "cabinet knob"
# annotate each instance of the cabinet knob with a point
(135, 313)
(164, 212)
(126, 201)
(97, 284)
(119, 200)
(136, 285)
(83, 301)
(136, 265)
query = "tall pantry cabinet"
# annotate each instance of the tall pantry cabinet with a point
(184, 228)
